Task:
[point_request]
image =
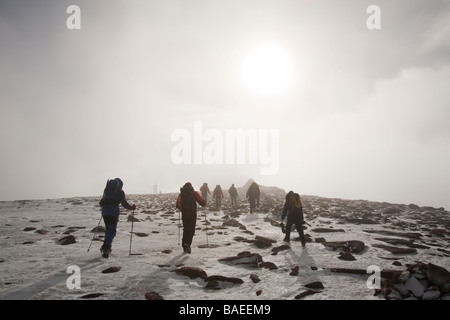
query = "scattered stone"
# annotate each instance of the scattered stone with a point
(141, 234)
(323, 230)
(29, 229)
(132, 218)
(347, 256)
(167, 251)
(305, 293)
(112, 270)
(92, 295)
(244, 258)
(438, 275)
(294, 271)
(153, 296)
(315, 285)
(191, 272)
(255, 278)
(258, 293)
(355, 246)
(70, 239)
(99, 229)
(268, 265)
(280, 248)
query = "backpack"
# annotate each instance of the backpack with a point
(187, 197)
(111, 194)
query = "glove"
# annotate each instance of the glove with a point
(133, 207)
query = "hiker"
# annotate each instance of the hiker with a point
(205, 190)
(187, 203)
(253, 196)
(294, 211)
(218, 195)
(113, 195)
(233, 194)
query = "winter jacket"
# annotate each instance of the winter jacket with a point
(197, 199)
(113, 210)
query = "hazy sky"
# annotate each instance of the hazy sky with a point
(365, 115)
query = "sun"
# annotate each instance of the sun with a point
(267, 69)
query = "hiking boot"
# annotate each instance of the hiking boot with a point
(286, 239)
(105, 250)
(186, 248)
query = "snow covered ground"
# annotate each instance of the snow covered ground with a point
(34, 265)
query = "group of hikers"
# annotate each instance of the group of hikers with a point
(188, 198)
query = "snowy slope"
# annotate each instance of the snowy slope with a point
(34, 264)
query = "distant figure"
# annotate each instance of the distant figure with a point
(205, 190)
(294, 211)
(113, 195)
(233, 194)
(218, 195)
(187, 203)
(252, 195)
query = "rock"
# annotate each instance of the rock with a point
(355, 246)
(191, 272)
(431, 295)
(141, 234)
(322, 230)
(347, 256)
(268, 265)
(215, 282)
(258, 293)
(315, 285)
(29, 229)
(255, 278)
(153, 296)
(263, 242)
(112, 270)
(70, 239)
(294, 271)
(438, 275)
(413, 285)
(244, 258)
(99, 229)
(305, 293)
(132, 218)
(280, 248)
(92, 295)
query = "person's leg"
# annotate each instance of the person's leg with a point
(189, 221)
(110, 230)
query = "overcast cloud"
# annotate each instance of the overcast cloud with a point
(366, 117)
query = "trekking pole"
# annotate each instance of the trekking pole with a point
(95, 232)
(179, 213)
(206, 223)
(131, 236)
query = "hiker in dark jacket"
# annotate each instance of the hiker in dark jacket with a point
(218, 195)
(253, 196)
(111, 212)
(205, 191)
(187, 203)
(233, 194)
(294, 212)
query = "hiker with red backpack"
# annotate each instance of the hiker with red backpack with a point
(113, 195)
(187, 202)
